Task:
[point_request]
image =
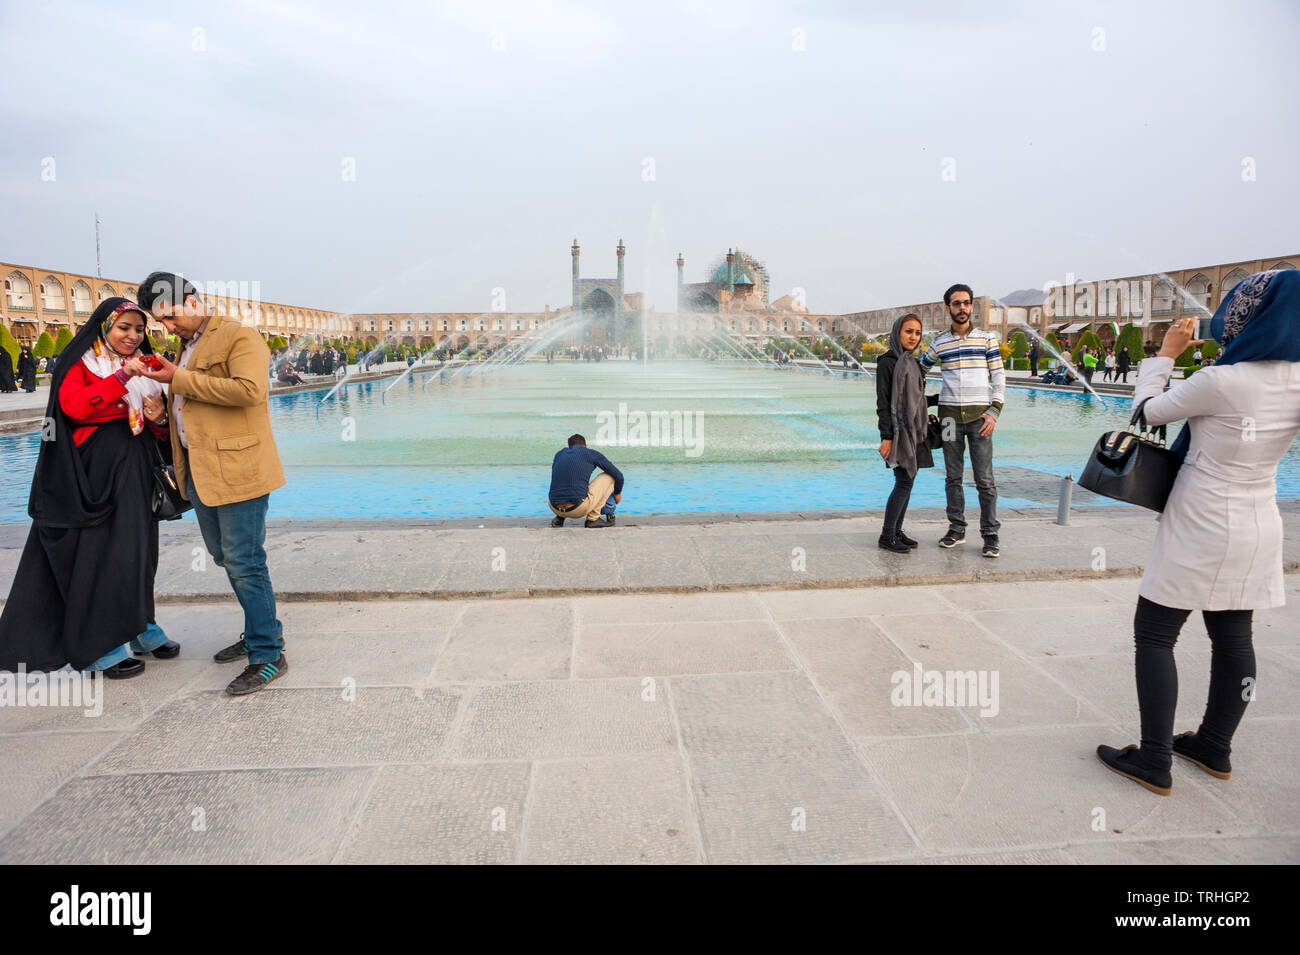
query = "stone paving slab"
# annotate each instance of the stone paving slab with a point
(716, 726)
(270, 816)
(47, 761)
(563, 718)
(616, 811)
(658, 649)
(852, 661)
(1025, 695)
(1039, 786)
(457, 814)
(302, 727)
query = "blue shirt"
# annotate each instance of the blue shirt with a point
(571, 473)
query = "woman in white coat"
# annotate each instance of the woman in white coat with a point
(1218, 546)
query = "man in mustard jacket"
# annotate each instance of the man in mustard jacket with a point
(225, 457)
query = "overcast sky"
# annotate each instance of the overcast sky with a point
(1103, 139)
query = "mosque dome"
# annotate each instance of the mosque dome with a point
(749, 271)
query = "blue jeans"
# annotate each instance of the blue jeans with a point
(152, 638)
(235, 535)
(981, 463)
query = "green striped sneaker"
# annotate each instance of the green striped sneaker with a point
(256, 676)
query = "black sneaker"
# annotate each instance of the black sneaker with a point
(557, 522)
(894, 544)
(1124, 762)
(1189, 748)
(903, 538)
(232, 652)
(991, 548)
(598, 523)
(256, 676)
(952, 539)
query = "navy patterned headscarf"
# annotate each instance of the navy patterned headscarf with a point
(1258, 321)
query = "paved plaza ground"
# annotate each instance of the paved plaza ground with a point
(656, 692)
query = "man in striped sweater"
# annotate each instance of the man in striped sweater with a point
(974, 386)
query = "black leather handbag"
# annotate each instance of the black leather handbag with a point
(933, 433)
(165, 502)
(1135, 466)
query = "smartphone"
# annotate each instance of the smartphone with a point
(151, 361)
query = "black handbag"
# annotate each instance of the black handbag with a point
(1134, 466)
(933, 434)
(166, 501)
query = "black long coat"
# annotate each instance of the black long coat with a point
(885, 366)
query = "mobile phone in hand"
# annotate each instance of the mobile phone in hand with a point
(151, 361)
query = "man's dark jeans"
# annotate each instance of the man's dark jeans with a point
(235, 535)
(981, 462)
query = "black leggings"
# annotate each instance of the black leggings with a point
(896, 506)
(1232, 662)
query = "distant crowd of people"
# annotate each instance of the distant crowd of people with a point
(583, 353)
(309, 361)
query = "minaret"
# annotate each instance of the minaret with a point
(576, 304)
(618, 299)
(681, 280)
(731, 276)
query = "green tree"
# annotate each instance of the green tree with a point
(44, 347)
(65, 337)
(9, 344)
(1019, 345)
(1130, 337)
(1210, 350)
(1052, 340)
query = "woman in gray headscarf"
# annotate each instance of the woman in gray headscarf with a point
(900, 410)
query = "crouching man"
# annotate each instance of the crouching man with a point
(572, 496)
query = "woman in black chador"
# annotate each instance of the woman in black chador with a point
(7, 385)
(27, 369)
(83, 592)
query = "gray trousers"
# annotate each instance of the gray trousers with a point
(981, 462)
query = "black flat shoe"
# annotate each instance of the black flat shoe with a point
(1124, 762)
(894, 544)
(1189, 748)
(168, 650)
(125, 670)
(903, 538)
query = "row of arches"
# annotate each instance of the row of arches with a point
(55, 302)
(748, 324)
(54, 297)
(397, 324)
